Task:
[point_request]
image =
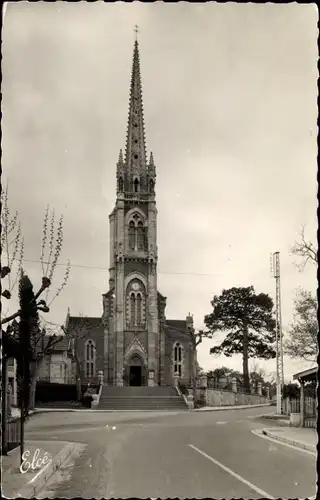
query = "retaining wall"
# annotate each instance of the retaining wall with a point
(220, 397)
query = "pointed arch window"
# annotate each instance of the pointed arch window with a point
(137, 234)
(151, 186)
(177, 359)
(140, 236)
(120, 184)
(135, 305)
(132, 235)
(132, 309)
(139, 315)
(90, 358)
(136, 185)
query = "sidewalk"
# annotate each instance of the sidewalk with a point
(280, 419)
(299, 437)
(38, 469)
(240, 407)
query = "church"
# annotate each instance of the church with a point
(133, 343)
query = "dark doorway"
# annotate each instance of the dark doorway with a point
(135, 375)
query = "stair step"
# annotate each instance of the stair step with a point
(141, 398)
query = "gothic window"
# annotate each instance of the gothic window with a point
(139, 309)
(137, 234)
(135, 305)
(151, 186)
(177, 359)
(132, 235)
(132, 309)
(120, 184)
(140, 236)
(136, 185)
(90, 355)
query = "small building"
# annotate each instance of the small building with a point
(308, 409)
(57, 366)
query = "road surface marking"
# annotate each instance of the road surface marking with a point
(282, 443)
(234, 474)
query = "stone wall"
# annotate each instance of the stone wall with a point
(219, 397)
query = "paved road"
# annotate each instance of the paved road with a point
(190, 454)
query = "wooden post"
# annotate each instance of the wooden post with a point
(4, 416)
(301, 403)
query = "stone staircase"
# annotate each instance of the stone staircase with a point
(141, 398)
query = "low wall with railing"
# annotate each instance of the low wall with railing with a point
(221, 397)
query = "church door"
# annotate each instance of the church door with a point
(135, 371)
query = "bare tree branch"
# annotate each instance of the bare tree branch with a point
(306, 250)
(52, 241)
(11, 243)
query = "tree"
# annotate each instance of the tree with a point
(248, 320)
(306, 250)
(303, 334)
(219, 373)
(52, 241)
(291, 391)
(257, 374)
(27, 331)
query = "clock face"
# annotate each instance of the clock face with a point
(136, 286)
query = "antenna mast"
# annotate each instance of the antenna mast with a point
(275, 269)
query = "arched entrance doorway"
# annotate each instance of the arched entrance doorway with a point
(135, 370)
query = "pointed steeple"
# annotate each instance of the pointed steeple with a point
(135, 155)
(120, 173)
(151, 166)
(120, 161)
(151, 175)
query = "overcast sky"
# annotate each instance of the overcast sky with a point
(230, 105)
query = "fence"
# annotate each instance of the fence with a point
(310, 409)
(12, 438)
(310, 412)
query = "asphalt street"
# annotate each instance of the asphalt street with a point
(184, 455)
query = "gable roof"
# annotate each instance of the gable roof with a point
(176, 329)
(62, 345)
(83, 322)
(307, 375)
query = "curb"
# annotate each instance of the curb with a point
(54, 410)
(220, 408)
(292, 442)
(31, 490)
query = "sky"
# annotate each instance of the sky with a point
(230, 106)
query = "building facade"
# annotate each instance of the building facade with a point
(57, 366)
(133, 343)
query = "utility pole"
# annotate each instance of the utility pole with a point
(275, 270)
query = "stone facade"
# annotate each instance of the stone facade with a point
(133, 342)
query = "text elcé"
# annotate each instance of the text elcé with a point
(37, 461)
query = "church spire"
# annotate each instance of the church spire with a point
(135, 154)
